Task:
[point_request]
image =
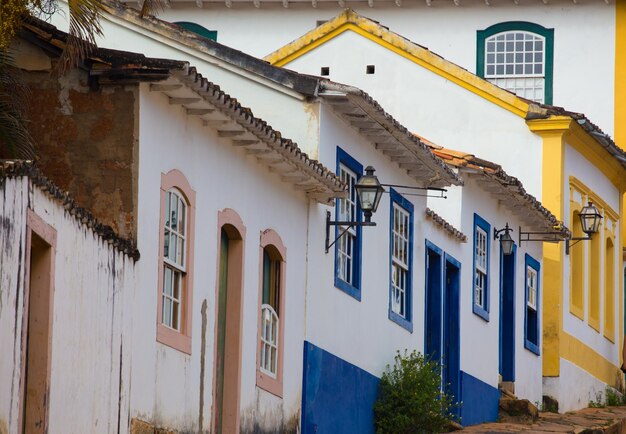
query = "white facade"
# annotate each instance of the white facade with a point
(448, 30)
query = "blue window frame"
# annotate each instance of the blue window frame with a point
(400, 260)
(531, 318)
(348, 247)
(480, 287)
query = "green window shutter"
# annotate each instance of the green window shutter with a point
(197, 28)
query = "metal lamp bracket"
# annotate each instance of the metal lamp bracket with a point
(349, 225)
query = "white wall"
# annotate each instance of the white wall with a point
(361, 332)
(587, 27)
(93, 283)
(166, 383)
(431, 106)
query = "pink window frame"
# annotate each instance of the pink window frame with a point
(179, 340)
(269, 237)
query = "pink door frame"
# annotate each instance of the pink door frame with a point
(37, 226)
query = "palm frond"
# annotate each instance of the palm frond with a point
(84, 28)
(151, 7)
(14, 134)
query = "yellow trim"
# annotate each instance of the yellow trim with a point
(349, 20)
(552, 198)
(593, 281)
(586, 358)
(593, 196)
(620, 77)
(620, 88)
(576, 293)
(609, 302)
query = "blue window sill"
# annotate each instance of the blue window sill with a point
(352, 291)
(480, 312)
(532, 347)
(401, 321)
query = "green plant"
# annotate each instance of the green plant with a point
(410, 399)
(614, 398)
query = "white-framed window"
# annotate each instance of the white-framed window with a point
(271, 287)
(399, 259)
(481, 268)
(532, 330)
(174, 258)
(531, 284)
(269, 340)
(515, 61)
(346, 243)
(480, 283)
(518, 56)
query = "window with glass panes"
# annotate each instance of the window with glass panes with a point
(531, 329)
(399, 260)
(481, 267)
(517, 56)
(348, 244)
(515, 61)
(480, 284)
(269, 313)
(173, 258)
(347, 212)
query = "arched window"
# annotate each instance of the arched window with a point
(271, 312)
(609, 289)
(174, 257)
(518, 56)
(577, 265)
(175, 261)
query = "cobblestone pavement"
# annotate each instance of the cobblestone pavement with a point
(609, 420)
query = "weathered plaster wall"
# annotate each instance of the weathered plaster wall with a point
(14, 199)
(85, 139)
(93, 282)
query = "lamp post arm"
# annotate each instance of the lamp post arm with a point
(577, 240)
(349, 225)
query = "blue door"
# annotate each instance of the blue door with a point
(451, 329)
(507, 316)
(432, 329)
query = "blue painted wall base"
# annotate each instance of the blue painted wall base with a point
(337, 397)
(480, 401)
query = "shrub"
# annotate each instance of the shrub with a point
(410, 399)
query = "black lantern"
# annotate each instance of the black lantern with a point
(590, 219)
(369, 192)
(506, 242)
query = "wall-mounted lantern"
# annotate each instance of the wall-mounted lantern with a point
(506, 242)
(369, 190)
(590, 219)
